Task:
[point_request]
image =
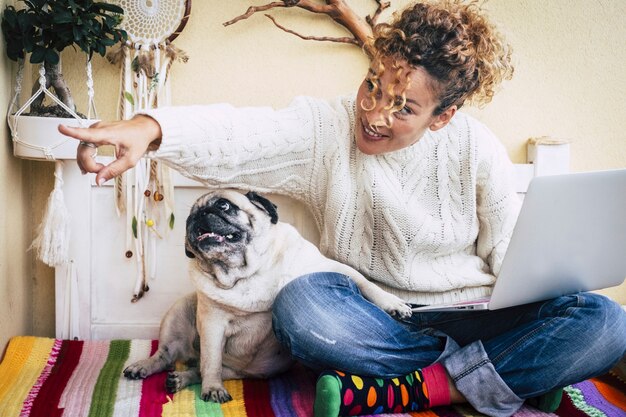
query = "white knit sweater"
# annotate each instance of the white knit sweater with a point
(429, 223)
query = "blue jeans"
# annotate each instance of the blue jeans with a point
(496, 358)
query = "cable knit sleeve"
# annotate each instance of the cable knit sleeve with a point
(497, 201)
(261, 149)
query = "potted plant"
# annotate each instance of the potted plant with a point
(43, 29)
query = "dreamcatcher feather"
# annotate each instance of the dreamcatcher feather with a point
(145, 196)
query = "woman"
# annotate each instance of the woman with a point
(415, 195)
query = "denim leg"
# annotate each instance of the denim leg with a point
(327, 324)
(573, 338)
(532, 348)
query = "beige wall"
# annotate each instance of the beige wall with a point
(16, 284)
(569, 83)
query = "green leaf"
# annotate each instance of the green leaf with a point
(134, 226)
(24, 21)
(77, 33)
(109, 22)
(28, 45)
(52, 57)
(10, 17)
(172, 221)
(38, 55)
(62, 17)
(154, 82)
(129, 97)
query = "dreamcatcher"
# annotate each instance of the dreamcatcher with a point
(147, 198)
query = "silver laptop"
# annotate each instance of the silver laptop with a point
(570, 236)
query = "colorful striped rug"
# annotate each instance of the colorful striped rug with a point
(54, 378)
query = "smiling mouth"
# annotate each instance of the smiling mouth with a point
(372, 134)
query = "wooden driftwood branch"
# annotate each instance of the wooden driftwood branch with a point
(338, 10)
(345, 39)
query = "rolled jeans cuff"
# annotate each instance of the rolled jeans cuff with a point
(476, 378)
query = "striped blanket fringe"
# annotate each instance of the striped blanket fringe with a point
(55, 378)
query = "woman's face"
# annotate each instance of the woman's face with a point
(378, 131)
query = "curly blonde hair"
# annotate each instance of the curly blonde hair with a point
(453, 42)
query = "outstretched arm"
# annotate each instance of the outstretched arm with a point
(255, 148)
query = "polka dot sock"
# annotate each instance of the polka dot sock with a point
(341, 394)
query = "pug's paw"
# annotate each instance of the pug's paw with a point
(393, 305)
(216, 395)
(137, 370)
(401, 311)
(177, 380)
(174, 383)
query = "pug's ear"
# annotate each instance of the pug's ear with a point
(265, 204)
(189, 253)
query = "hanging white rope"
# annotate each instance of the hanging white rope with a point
(18, 91)
(52, 241)
(70, 326)
(91, 107)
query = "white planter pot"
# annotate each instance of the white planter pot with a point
(39, 138)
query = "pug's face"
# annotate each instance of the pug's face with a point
(222, 225)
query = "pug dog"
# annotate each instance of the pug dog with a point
(241, 257)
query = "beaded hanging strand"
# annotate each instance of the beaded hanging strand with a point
(145, 61)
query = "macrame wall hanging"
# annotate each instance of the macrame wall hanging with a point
(52, 240)
(145, 196)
